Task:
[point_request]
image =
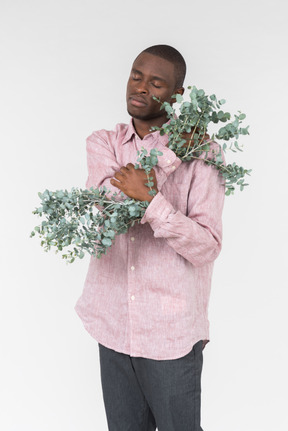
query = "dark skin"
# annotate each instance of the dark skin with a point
(150, 76)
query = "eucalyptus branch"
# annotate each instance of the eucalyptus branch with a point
(71, 218)
(193, 134)
(196, 115)
(178, 135)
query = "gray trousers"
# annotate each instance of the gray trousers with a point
(141, 394)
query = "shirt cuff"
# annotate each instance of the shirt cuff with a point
(169, 162)
(157, 211)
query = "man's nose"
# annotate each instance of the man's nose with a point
(142, 87)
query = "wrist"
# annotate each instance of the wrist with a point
(151, 197)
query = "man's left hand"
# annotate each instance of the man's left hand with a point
(187, 136)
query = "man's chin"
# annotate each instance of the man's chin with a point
(139, 116)
(135, 115)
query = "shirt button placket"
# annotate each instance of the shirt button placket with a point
(131, 292)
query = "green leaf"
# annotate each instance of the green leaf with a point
(107, 242)
(179, 98)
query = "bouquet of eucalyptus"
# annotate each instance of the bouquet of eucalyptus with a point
(71, 218)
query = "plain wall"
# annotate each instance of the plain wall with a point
(64, 68)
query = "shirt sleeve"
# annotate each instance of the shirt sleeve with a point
(167, 163)
(196, 236)
(102, 163)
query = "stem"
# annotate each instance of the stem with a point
(130, 221)
(147, 172)
(194, 149)
(204, 137)
(192, 135)
(223, 167)
(181, 130)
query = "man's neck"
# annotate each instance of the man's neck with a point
(143, 127)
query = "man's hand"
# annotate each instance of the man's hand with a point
(187, 136)
(132, 181)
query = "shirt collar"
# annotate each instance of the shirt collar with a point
(131, 131)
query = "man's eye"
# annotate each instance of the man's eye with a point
(156, 86)
(135, 78)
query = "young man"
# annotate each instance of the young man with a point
(146, 301)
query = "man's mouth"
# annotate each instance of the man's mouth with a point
(137, 101)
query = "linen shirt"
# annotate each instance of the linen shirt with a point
(148, 296)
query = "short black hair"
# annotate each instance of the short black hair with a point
(171, 54)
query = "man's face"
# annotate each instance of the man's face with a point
(150, 76)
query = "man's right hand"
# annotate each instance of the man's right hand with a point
(132, 182)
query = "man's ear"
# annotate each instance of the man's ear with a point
(179, 90)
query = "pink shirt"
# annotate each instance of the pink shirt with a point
(149, 295)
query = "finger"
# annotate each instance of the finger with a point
(119, 176)
(130, 166)
(124, 170)
(116, 184)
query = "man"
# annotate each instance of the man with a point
(146, 301)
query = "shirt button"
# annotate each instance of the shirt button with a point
(132, 268)
(132, 297)
(168, 161)
(132, 238)
(173, 168)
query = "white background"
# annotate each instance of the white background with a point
(64, 67)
